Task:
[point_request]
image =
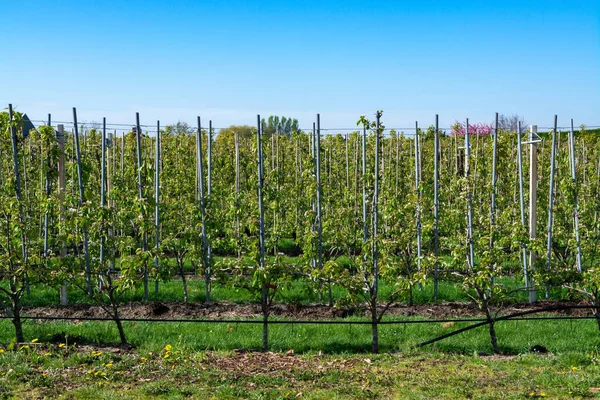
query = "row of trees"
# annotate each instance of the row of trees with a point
(109, 213)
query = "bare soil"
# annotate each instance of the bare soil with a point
(225, 310)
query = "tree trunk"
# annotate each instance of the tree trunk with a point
(207, 284)
(374, 329)
(265, 342)
(116, 316)
(184, 281)
(121, 330)
(493, 338)
(16, 320)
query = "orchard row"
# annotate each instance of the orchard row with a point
(108, 212)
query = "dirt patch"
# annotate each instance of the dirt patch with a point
(225, 310)
(273, 364)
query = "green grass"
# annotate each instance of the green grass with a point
(329, 361)
(514, 336)
(451, 369)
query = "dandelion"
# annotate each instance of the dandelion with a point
(542, 394)
(34, 340)
(166, 356)
(109, 365)
(574, 368)
(47, 354)
(25, 347)
(168, 347)
(142, 359)
(1, 351)
(61, 345)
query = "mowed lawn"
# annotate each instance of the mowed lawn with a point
(179, 360)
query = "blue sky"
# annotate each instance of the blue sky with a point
(230, 60)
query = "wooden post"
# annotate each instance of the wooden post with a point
(522, 201)
(61, 194)
(575, 208)
(237, 193)
(86, 251)
(555, 137)
(199, 168)
(157, 200)
(532, 207)
(261, 234)
(436, 207)
(418, 191)
(138, 134)
(471, 259)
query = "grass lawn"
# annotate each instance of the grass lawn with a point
(201, 360)
(186, 360)
(90, 373)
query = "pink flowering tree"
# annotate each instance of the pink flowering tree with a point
(481, 129)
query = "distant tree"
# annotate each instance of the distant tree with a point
(429, 134)
(179, 128)
(510, 122)
(481, 129)
(285, 125)
(245, 131)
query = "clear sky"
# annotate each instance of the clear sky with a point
(230, 60)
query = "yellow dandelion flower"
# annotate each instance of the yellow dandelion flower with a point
(166, 356)
(35, 340)
(168, 347)
(47, 354)
(61, 345)
(574, 368)
(109, 365)
(25, 347)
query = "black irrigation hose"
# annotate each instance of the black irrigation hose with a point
(515, 316)
(480, 321)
